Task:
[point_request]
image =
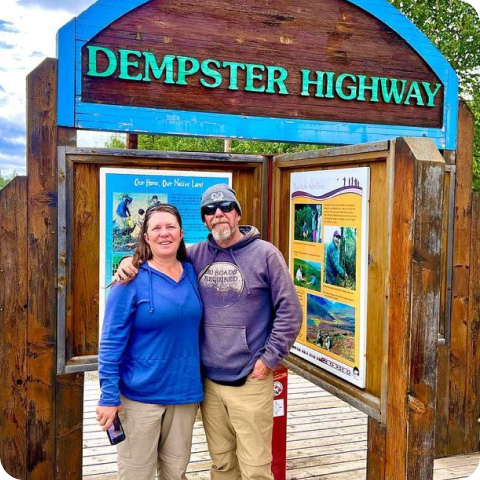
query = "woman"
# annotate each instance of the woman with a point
(149, 362)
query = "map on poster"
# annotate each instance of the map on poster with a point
(125, 195)
(328, 262)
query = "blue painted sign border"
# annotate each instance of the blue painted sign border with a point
(73, 112)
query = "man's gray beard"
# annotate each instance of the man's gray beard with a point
(221, 234)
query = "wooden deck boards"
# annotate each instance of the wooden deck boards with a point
(326, 440)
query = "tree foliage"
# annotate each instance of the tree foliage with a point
(197, 144)
(6, 179)
(453, 27)
(191, 144)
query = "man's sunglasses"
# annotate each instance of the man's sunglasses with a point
(223, 206)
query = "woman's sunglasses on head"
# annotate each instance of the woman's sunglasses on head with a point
(223, 206)
(162, 206)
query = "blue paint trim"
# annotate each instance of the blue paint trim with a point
(101, 14)
(104, 12)
(174, 122)
(66, 75)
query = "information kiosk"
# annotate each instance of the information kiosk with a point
(377, 230)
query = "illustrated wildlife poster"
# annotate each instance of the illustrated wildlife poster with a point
(125, 196)
(328, 263)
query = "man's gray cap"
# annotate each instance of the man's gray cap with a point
(219, 193)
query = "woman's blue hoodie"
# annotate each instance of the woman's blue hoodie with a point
(149, 350)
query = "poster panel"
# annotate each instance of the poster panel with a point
(125, 195)
(328, 262)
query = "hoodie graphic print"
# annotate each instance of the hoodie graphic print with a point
(222, 283)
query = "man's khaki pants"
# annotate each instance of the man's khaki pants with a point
(158, 437)
(238, 422)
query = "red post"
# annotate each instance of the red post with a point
(279, 440)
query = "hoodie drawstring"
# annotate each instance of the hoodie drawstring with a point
(150, 291)
(243, 274)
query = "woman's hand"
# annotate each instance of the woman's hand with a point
(105, 415)
(125, 270)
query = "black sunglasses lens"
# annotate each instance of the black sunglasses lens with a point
(212, 208)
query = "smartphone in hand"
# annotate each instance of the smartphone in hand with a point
(115, 432)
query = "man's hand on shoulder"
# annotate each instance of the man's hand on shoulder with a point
(125, 270)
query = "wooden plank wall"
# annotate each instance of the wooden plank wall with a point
(13, 325)
(457, 429)
(473, 360)
(53, 429)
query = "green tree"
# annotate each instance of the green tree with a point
(453, 27)
(6, 179)
(115, 141)
(197, 144)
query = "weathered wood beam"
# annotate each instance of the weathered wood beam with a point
(42, 275)
(13, 326)
(413, 309)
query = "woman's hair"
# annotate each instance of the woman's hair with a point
(143, 251)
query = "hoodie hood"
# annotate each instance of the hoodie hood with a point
(186, 273)
(249, 235)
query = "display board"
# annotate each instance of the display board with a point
(328, 262)
(126, 194)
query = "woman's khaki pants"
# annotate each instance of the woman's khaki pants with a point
(159, 437)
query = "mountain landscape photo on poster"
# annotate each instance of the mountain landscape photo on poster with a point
(331, 326)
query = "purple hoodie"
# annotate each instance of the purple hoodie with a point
(251, 308)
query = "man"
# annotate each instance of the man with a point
(252, 316)
(154, 202)
(299, 274)
(313, 281)
(123, 211)
(333, 269)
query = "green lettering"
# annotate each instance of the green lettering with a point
(362, 87)
(92, 61)
(280, 80)
(125, 63)
(166, 66)
(251, 77)
(319, 83)
(387, 94)
(430, 94)
(209, 72)
(233, 66)
(330, 76)
(339, 86)
(183, 71)
(414, 92)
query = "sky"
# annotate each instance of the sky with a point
(28, 30)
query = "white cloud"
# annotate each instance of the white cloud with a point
(72, 6)
(28, 31)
